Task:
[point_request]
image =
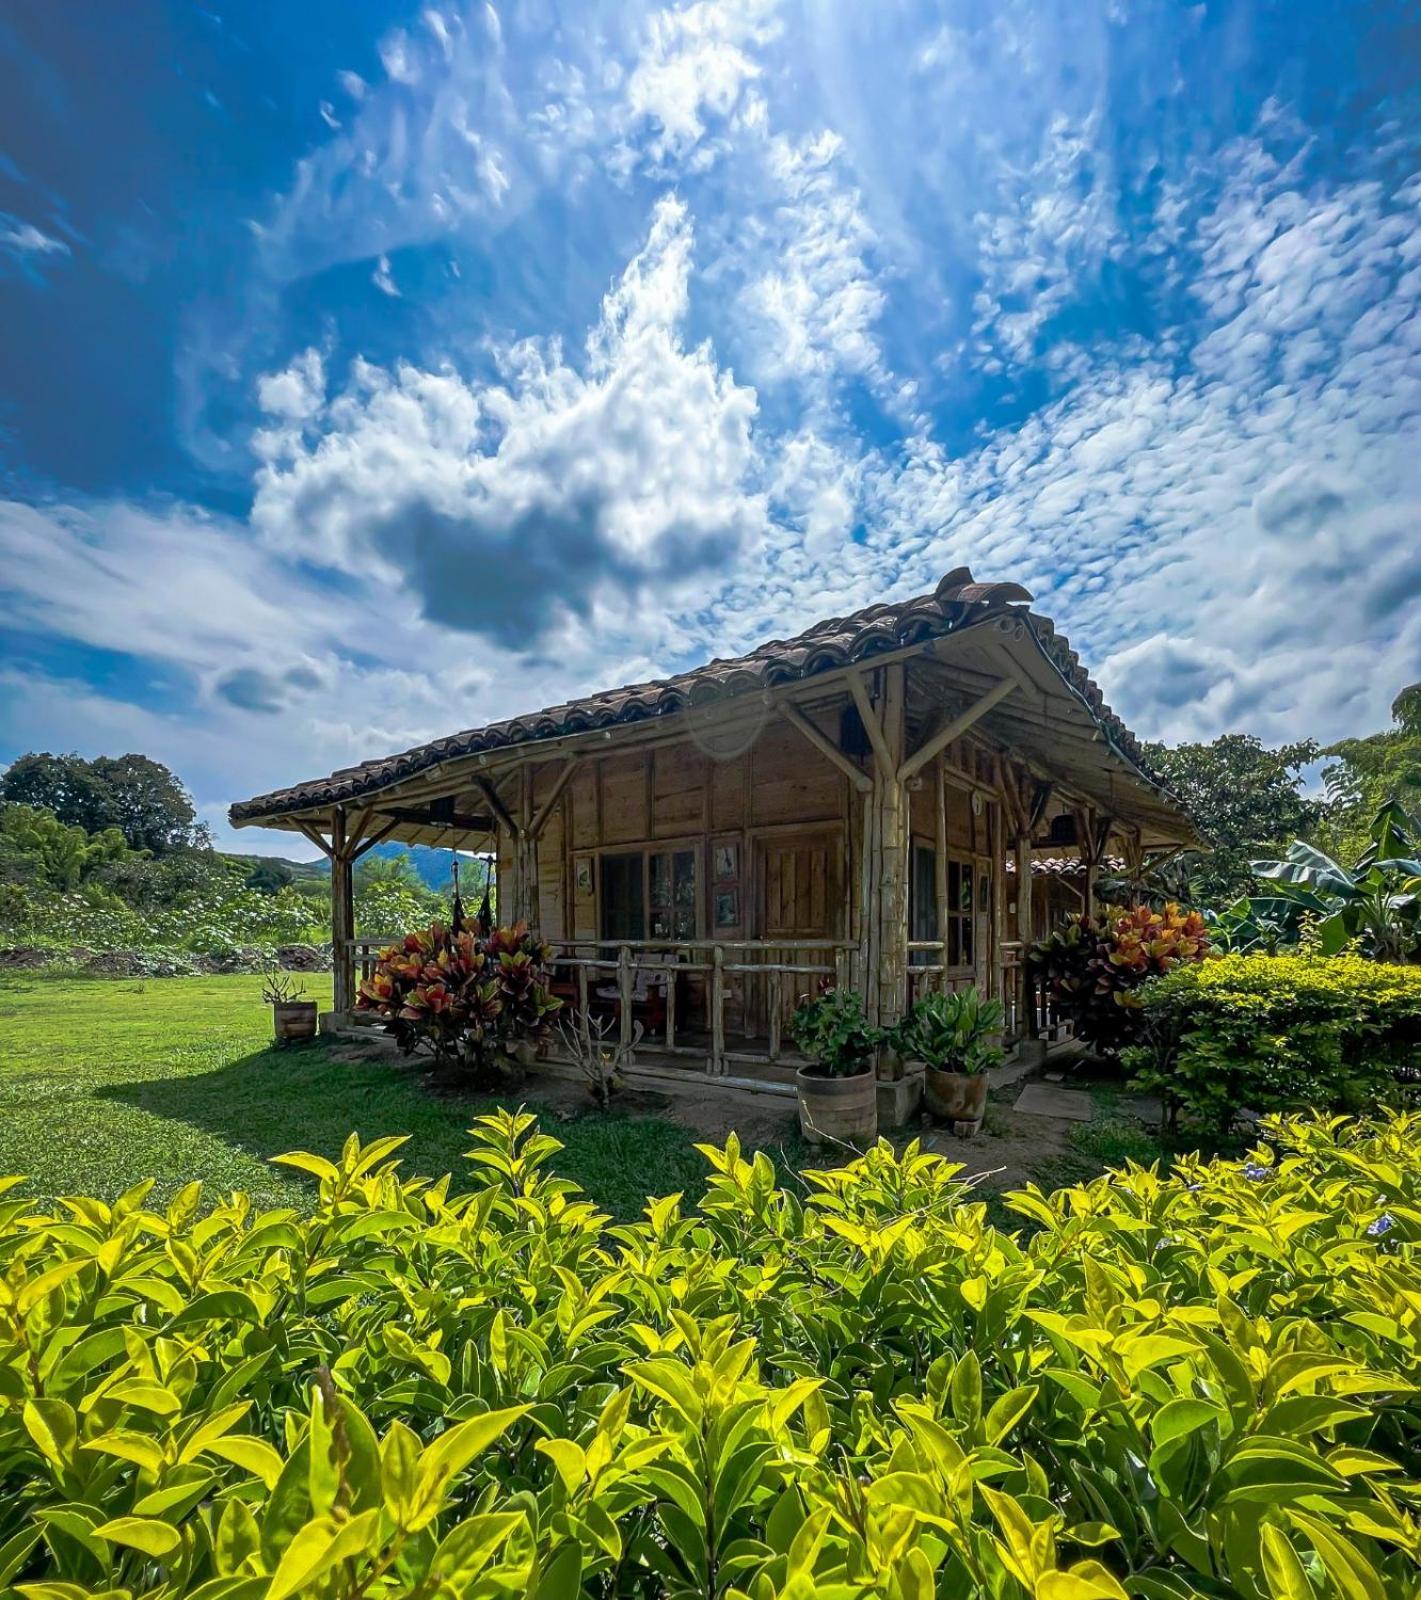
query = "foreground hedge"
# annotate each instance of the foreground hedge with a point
(1278, 1033)
(1205, 1385)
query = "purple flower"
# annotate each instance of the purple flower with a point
(1256, 1172)
(1380, 1225)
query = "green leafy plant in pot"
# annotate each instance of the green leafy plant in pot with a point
(838, 1100)
(955, 1037)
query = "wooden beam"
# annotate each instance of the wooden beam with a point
(375, 838)
(539, 822)
(497, 806)
(872, 726)
(956, 728)
(314, 837)
(1040, 799)
(824, 745)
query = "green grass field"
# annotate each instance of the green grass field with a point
(106, 1081)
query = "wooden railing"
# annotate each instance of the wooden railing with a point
(758, 979)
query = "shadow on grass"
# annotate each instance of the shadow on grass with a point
(273, 1101)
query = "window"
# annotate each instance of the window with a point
(922, 908)
(672, 901)
(649, 895)
(922, 904)
(623, 891)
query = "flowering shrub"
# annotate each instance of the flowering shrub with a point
(1094, 968)
(1277, 1033)
(1196, 1386)
(218, 918)
(468, 998)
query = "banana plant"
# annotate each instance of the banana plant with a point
(1376, 903)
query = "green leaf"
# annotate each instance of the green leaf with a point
(147, 1534)
(1282, 1571)
(318, 1547)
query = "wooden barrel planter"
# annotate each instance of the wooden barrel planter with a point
(838, 1110)
(956, 1097)
(294, 1021)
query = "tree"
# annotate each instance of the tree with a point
(396, 870)
(64, 854)
(1247, 801)
(1368, 773)
(140, 797)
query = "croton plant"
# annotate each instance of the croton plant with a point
(471, 999)
(1093, 967)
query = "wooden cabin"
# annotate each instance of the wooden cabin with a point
(839, 806)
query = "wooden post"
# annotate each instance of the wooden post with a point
(624, 994)
(342, 915)
(717, 1055)
(584, 1020)
(671, 966)
(776, 1000)
(1025, 933)
(940, 868)
(892, 963)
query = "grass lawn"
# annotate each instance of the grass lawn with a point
(105, 1081)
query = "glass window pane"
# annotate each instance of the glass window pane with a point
(683, 865)
(622, 913)
(660, 884)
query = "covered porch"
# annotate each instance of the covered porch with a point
(836, 808)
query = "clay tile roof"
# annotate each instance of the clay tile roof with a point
(957, 602)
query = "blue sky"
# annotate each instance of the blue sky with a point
(369, 371)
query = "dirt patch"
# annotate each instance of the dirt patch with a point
(1010, 1151)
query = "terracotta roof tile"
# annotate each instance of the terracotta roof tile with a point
(957, 602)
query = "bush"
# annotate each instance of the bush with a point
(1277, 1033)
(471, 999)
(1199, 1386)
(1094, 968)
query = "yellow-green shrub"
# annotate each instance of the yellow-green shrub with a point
(1200, 1385)
(1278, 1033)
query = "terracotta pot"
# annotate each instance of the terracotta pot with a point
(956, 1097)
(838, 1110)
(294, 1021)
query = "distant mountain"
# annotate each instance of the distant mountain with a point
(433, 866)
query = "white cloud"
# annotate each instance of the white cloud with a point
(810, 312)
(508, 507)
(695, 66)
(383, 278)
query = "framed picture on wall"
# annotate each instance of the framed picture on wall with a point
(583, 874)
(727, 908)
(726, 863)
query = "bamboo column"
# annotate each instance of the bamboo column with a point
(1025, 933)
(888, 846)
(342, 913)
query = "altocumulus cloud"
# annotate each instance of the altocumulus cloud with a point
(557, 491)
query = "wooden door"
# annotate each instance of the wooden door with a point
(800, 896)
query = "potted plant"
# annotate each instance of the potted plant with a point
(838, 1099)
(953, 1035)
(293, 1019)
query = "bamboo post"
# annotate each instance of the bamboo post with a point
(671, 1000)
(582, 1005)
(776, 1000)
(342, 915)
(940, 868)
(1025, 933)
(890, 844)
(624, 994)
(716, 1064)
